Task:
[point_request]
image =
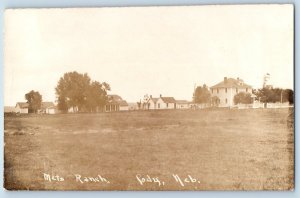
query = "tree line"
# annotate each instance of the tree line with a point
(74, 91)
(78, 92)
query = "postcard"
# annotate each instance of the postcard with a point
(149, 98)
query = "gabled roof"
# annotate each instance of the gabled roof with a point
(46, 105)
(231, 83)
(153, 99)
(22, 105)
(168, 99)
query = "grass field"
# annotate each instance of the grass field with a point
(223, 149)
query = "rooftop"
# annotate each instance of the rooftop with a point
(231, 83)
(46, 105)
(22, 104)
(168, 99)
(153, 99)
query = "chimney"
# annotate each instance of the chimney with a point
(240, 81)
(225, 79)
(160, 95)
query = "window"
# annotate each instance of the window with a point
(158, 105)
(167, 105)
(246, 89)
(225, 90)
(217, 90)
(212, 90)
(226, 100)
(236, 90)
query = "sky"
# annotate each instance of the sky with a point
(147, 50)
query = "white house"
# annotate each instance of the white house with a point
(166, 103)
(73, 109)
(152, 103)
(161, 103)
(22, 107)
(48, 108)
(182, 104)
(227, 89)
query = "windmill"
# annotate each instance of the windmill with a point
(266, 79)
(194, 92)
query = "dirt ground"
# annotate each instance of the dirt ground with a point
(213, 149)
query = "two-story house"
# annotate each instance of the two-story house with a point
(227, 89)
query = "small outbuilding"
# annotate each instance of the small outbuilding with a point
(22, 107)
(182, 104)
(48, 108)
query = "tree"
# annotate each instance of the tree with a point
(62, 104)
(272, 95)
(71, 89)
(96, 96)
(34, 100)
(242, 98)
(77, 91)
(139, 104)
(288, 96)
(215, 101)
(202, 95)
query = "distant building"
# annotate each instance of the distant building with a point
(182, 104)
(166, 103)
(48, 108)
(73, 109)
(227, 89)
(133, 106)
(116, 103)
(152, 103)
(160, 103)
(22, 107)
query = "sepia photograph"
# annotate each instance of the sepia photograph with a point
(157, 98)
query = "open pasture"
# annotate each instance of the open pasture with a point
(249, 149)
